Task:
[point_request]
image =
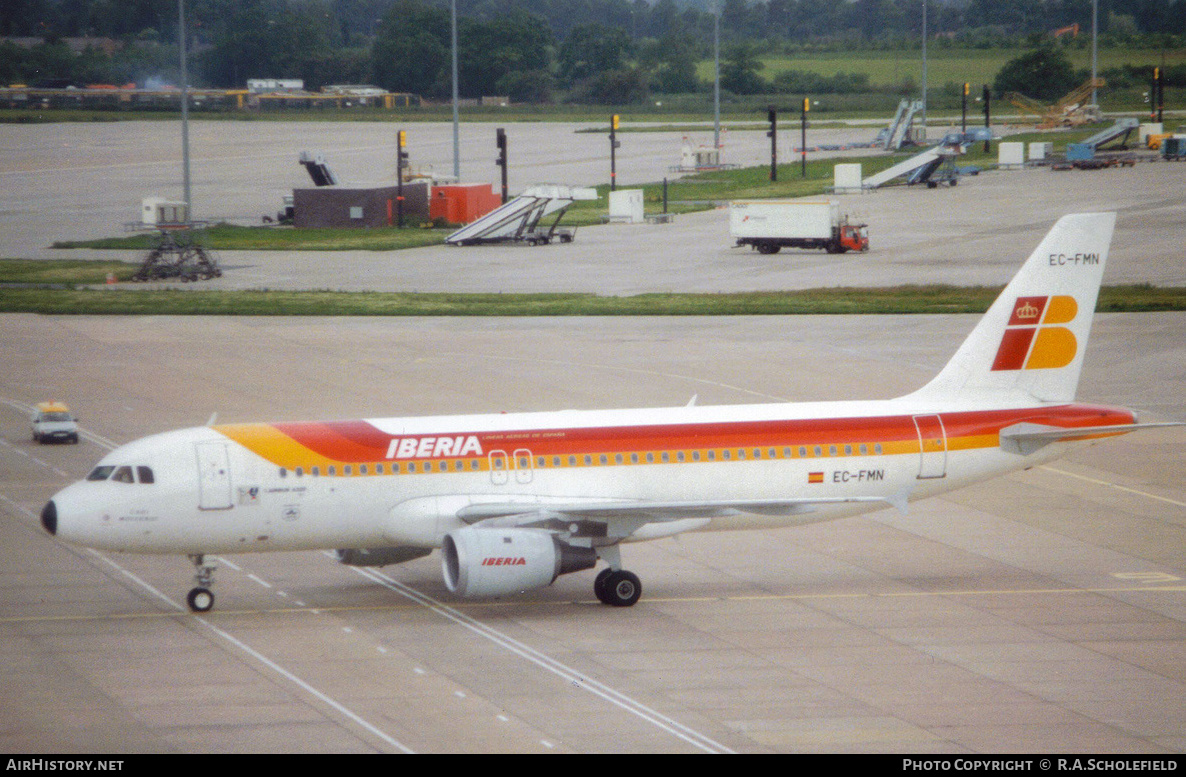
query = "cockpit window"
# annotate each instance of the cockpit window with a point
(122, 474)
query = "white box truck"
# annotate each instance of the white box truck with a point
(769, 225)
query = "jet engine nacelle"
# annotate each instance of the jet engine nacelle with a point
(378, 557)
(494, 562)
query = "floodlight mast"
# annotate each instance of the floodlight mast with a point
(716, 85)
(1095, 8)
(924, 69)
(181, 35)
(456, 117)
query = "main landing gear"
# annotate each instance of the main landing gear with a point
(617, 587)
(201, 598)
(613, 585)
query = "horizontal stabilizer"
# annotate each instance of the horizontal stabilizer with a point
(1027, 438)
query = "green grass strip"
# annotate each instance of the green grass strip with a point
(892, 300)
(230, 237)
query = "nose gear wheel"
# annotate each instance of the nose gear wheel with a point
(201, 598)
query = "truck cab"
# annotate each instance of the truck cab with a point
(854, 237)
(53, 422)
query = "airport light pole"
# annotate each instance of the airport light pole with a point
(456, 116)
(987, 114)
(924, 69)
(500, 138)
(772, 116)
(613, 153)
(401, 155)
(716, 83)
(964, 110)
(803, 139)
(181, 35)
(1095, 8)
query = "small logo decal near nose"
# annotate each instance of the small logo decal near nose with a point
(1032, 341)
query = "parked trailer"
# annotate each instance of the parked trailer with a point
(1173, 148)
(770, 225)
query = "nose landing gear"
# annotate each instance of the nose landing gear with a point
(201, 598)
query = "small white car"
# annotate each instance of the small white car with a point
(53, 422)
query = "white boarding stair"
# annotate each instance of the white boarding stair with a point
(519, 219)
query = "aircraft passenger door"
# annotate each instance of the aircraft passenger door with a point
(499, 466)
(523, 468)
(932, 446)
(214, 476)
(502, 465)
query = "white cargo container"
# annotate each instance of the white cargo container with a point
(769, 225)
(1010, 155)
(847, 178)
(626, 206)
(157, 211)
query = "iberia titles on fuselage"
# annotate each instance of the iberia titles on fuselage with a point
(515, 500)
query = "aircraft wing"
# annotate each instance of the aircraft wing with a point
(1025, 438)
(620, 518)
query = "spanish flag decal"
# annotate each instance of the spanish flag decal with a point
(1033, 340)
(815, 477)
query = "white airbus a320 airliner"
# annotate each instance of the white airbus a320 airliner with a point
(515, 500)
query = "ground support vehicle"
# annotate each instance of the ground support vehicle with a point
(771, 225)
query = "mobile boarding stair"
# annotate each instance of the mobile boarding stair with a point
(900, 131)
(1121, 129)
(1083, 155)
(934, 166)
(319, 169)
(518, 221)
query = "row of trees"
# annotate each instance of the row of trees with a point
(605, 51)
(356, 22)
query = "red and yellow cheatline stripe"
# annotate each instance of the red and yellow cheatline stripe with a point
(323, 444)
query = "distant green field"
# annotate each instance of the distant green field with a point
(943, 65)
(976, 66)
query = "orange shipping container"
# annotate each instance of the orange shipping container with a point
(463, 203)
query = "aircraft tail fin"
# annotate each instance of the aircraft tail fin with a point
(1033, 338)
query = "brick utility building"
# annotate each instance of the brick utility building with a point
(338, 206)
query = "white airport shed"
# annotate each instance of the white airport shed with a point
(274, 85)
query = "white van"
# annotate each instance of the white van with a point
(53, 421)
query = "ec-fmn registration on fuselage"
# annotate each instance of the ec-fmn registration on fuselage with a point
(515, 500)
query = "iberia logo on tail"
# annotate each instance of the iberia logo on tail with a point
(1033, 340)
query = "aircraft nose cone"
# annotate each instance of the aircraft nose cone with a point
(49, 517)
